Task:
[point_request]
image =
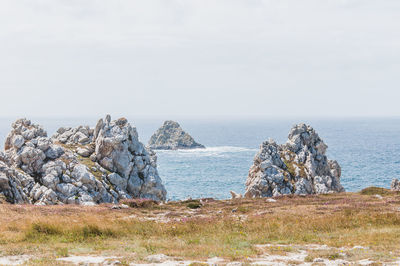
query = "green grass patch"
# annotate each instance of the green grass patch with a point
(195, 204)
(45, 231)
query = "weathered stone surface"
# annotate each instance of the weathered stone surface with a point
(40, 170)
(81, 135)
(235, 195)
(119, 150)
(299, 166)
(172, 137)
(14, 184)
(395, 185)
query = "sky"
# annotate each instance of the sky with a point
(200, 58)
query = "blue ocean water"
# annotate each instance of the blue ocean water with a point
(368, 150)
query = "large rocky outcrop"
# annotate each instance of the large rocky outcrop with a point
(299, 166)
(172, 137)
(77, 165)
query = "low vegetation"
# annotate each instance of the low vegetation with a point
(231, 229)
(376, 191)
(140, 203)
(192, 204)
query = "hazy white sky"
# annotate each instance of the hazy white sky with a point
(200, 57)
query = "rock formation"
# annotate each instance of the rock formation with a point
(171, 137)
(394, 186)
(77, 165)
(299, 166)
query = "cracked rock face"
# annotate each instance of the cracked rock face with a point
(394, 186)
(172, 137)
(77, 165)
(299, 166)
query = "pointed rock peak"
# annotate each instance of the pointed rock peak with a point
(171, 124)
(172, 137)
(299, 166)
(304, 135)
(108, 118)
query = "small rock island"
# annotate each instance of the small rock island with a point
(172, 137)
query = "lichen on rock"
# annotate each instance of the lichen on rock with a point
(170, 136)
(299, 166)
(77, 165)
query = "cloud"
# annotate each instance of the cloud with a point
(200, 57)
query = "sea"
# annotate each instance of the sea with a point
(367, 149)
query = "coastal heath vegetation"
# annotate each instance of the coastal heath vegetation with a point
(231, 229)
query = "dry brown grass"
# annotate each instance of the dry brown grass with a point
(229, 229)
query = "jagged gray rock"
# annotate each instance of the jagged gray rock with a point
(394, 186)
(172, 137)
(41, 170)
(299, 166)
(81, 135)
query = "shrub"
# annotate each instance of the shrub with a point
(93, 231)
(44, 229)
(375, 190)
(139, 203)
(40, 230)
(193, 204)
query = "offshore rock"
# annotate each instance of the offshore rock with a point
(172, 137)
(299, 166)
(40, 170)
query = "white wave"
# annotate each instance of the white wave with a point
(209, 151)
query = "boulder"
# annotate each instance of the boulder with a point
(172, 137)
(235, 195)
(299, 166)
(40, 170)
(395, 185)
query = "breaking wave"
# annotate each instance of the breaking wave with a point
(209, 151)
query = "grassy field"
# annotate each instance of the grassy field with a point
(234, 230)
